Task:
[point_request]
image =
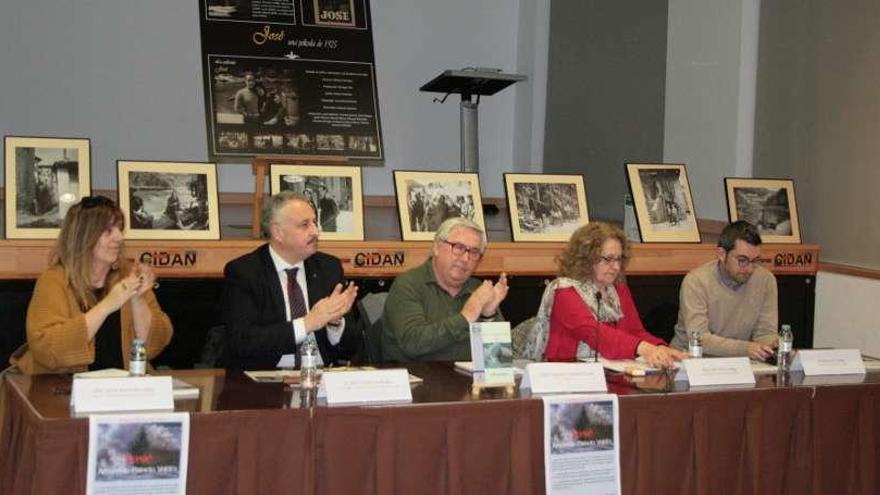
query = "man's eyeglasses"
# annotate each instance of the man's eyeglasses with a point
(610, 260)
(93, 201)
(459, 249)
(745, 262)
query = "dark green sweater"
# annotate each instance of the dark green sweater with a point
(422, 322)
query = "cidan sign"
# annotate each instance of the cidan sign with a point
(168, 258)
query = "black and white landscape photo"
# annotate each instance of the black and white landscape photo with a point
(547, 208)
(768, 204)
(169, 200)
(765, 208)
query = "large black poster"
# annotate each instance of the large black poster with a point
(290, 77)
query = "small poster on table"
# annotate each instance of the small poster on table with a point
(138, 453)
(581, 444)
(492, 353)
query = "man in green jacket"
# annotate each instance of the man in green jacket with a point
(430, 308)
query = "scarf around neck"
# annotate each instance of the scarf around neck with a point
(606, 310)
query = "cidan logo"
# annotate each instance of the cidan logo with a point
(168, 258)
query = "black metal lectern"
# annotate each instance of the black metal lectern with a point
(470, 83)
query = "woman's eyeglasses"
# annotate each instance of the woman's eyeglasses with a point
(610, 260)
(93, 201)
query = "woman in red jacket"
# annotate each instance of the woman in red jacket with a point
(590, 299)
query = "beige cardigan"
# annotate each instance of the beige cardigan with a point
(57, 338)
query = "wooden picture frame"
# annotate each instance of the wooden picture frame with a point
(663, 202)
(768, 204)
(425, 199)
(335, 190)
(45, 176)
(545, 207)
(169, 200)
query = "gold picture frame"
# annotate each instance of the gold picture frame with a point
(335, 190)
(425, 199)
(45, 176)
(545, 207)
(169, 200)
(663, 202)
(768, 204)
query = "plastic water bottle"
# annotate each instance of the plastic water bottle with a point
(137, 359)
(783, 351)
(695, 343)
(308, 370)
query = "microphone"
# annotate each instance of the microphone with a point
(598, 311)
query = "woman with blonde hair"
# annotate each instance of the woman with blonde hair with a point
(90, 304)
(589, 306)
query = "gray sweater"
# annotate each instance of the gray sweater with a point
(729, 317)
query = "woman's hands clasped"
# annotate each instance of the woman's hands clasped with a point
(138, 281)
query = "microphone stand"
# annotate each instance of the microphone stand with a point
(598, 322)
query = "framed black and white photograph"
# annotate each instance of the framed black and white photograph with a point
(768, 204)
(45, 176)
(169, 200)
(426, 199)
(336, 192)
(334, 13)
(663, 202)
(545, 207)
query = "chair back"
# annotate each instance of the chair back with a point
(212, 351)
(370, 308)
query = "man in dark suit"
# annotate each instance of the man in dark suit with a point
(266, 312)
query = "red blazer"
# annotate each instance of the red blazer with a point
(571, 321)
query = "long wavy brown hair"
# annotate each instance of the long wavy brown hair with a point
(82, 227)
(585, 248)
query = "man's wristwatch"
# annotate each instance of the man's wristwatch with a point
(488, 318)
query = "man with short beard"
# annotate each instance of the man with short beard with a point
(732, 300)
(286, 292)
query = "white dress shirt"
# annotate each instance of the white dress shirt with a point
(334, 329)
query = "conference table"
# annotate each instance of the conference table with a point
(784, 435)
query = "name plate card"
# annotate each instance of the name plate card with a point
(829, 362)
(554, 378)
(716, 371)
(365, 387)
(142, 393)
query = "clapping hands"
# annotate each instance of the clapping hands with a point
(484, 301)
(331, 308)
